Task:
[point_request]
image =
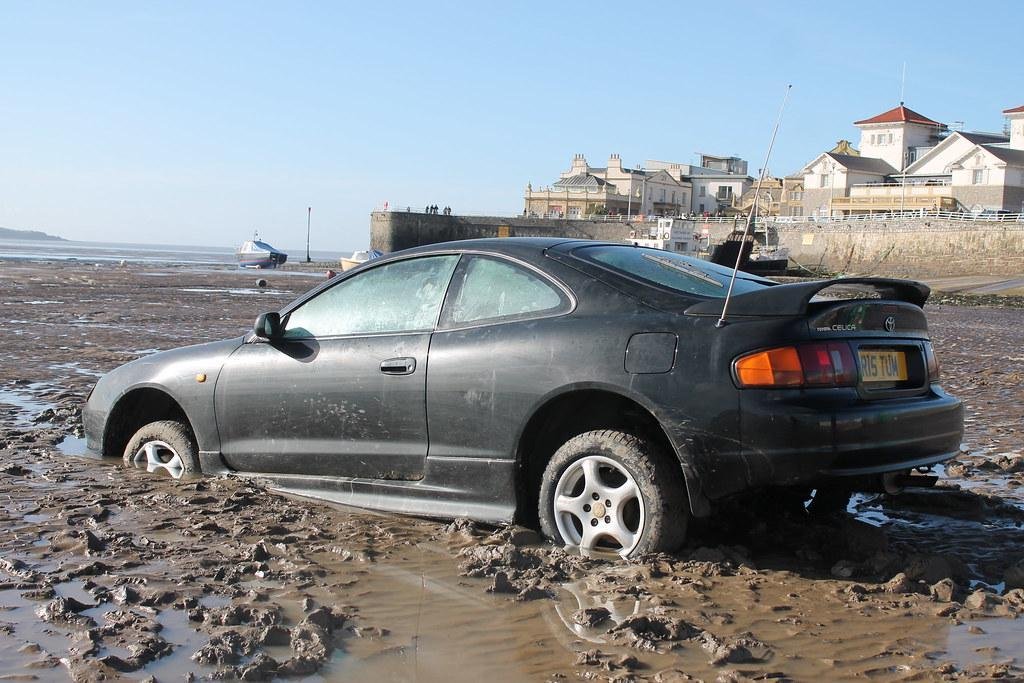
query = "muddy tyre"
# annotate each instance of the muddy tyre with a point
(168, 443)
(615, 492)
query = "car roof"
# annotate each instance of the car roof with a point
(513, 246)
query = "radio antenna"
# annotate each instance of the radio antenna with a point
(753, 208)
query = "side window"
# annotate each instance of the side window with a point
(492, 290)
(396, 297)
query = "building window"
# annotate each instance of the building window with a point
(663, 195)
(826, 179)
(703, 192)
(979, 177)
(724, 193)
(673, 196)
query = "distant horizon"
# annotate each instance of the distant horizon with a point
(290, 250)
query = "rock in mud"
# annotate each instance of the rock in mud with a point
(311, 641)
(901, 583)
(501, 584)
(302, 665)
(65, 610)
(945, 590)
(226, 648)
(590, 616)
(588, 658)
(272, 636)
(329, 619)
(656, 628)
(731, 651)
(983, 601)
(262, 668)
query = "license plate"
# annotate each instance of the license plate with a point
(883, 366)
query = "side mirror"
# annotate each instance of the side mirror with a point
(267, 325)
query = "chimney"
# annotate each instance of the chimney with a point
(615, 162)
(1016, 119)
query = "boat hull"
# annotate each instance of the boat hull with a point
(261, 260)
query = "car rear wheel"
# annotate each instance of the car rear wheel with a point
(610, 491)
(166, 443)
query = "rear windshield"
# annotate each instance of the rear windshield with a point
(667, 269)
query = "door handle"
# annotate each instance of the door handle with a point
(398, 366)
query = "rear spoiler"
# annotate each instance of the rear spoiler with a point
(792, 299)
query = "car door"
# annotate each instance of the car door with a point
(341, 391)
(496, 349)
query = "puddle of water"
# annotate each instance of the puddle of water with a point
(77, 369)
(26, 404)
(53, 638)
(1000, 641)
(75, 446)
(40, 302)
(240, 292)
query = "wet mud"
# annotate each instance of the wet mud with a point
(109, 572)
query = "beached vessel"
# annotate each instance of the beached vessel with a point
(255, 253)
(359, 257)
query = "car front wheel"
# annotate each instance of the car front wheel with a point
(165, 443)
(610, 491)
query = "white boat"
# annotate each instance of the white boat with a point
(669, 234)
(257, 254)
(358, 258)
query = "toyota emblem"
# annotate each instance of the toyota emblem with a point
(890, 323)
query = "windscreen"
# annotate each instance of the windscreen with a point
(667, 269)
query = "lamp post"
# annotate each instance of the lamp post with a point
(309, 213)
(832, 190)
(643, 192)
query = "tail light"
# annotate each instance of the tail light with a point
(931, 362)
(805, 365)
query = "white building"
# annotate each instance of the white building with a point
(660, 188)
(717, 183)
(909, 162)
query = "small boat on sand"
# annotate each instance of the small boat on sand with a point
(358, 258)
(257, 254)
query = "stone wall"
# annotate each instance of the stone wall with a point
(920, 248)
(924, 247)
(984, 196)
(391, 231)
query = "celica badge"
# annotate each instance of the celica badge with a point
(890, 323)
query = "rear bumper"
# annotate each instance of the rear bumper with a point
(792, 437)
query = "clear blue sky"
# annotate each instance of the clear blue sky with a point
(193, 123)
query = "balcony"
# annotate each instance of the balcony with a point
(895, 197)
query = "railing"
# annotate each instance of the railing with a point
(943, 182)
(961, 216)
(909, 214)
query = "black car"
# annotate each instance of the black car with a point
(593, 388)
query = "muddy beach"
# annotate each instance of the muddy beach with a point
(110, 572)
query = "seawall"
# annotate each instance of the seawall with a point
(919, 247)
